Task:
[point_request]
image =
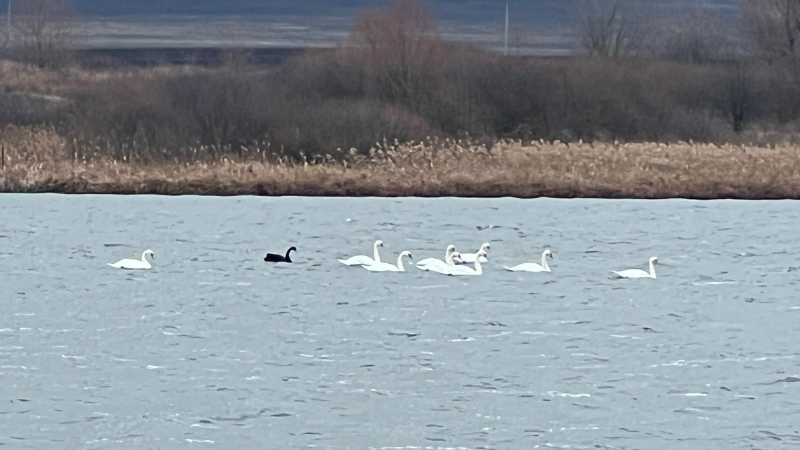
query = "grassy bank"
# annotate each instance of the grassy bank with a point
(489, 125)
(35, 162)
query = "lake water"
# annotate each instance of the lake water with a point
(544, 37)
(215, 349)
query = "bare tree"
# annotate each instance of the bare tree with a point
(774, 26)
(399, 46)
(7, 31)
(603, 27)
(44, 31)
(696, 36)
(740, 95)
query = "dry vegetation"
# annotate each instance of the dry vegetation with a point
(483, 124)
(35, 162)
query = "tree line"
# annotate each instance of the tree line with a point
(698, 75)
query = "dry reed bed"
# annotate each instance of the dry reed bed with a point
(19, 77)
(37, 161)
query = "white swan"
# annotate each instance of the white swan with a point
(437, 265)
(136, 264)
(533, 267)
(469, 258)
(639, 273)
(363, 260)
(386, 267)
(470, 271)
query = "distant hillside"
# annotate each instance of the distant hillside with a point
(539, 11)
(289, 7)
(538, 26)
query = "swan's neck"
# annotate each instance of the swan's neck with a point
(652, 270)
(287, 258)
(478, 267)
(144, 257)
(544, 262)
(448, 257)
(375, 255)
(400, 263)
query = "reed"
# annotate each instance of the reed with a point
(39, 160)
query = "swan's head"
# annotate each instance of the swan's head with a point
(379, 243)
(653, 259)
(457, 257)
(408, 254)
(149, 254)
(291, 249)
(548, 253)
(485, 247)
(451, 248)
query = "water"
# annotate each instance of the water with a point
(214, 349)
(170, 31)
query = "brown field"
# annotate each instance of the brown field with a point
(37, 161)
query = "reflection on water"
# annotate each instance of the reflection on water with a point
(216, 349)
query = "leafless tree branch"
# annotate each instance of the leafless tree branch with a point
(43, 31)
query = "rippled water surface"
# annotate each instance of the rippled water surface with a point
(215, 349)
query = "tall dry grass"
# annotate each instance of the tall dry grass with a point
(39, 160)
(20, 77)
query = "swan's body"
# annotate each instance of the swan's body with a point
(363, 260)
(639, 273)
(533, 267)
(136, 264)
(447, 269)
(469, 258)
(386, 267)
(437, 265)
(459, 271)
(272, 257)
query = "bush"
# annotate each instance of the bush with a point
(396, 79)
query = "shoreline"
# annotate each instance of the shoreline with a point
(446, 169)
(260, 191)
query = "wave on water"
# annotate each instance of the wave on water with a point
(690, 394)
(568, 394)
(429, 286)
(713, 283)
(227, 283)
(785, 380)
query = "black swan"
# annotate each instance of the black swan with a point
(272, 257)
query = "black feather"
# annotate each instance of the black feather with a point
(272, 257)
